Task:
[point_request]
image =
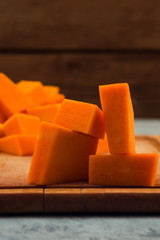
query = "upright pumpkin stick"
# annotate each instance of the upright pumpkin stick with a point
(118, 117)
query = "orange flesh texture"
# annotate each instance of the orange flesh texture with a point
(45, 113)
(2, 117)
(59, 98)
(81, 117)
(21, 123)
(51, 93)
(118, 117)
(34, 90)
(2, 134)
(11, 99)
(60, 155)
(123, 170)
(102, 146)
(20, 145)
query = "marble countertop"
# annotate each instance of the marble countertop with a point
(88, 227)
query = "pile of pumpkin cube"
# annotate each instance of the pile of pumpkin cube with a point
(23, 106)
(71, 140)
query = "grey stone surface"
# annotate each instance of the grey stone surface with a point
(80, 227)
(150, 127)
(105, 227)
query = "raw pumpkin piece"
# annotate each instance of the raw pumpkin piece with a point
(51, 92)
(53, 95)
(60, 155)
(81, 117)
(11, 99)
(2, 134)
(123, 170)
(59, 98)
(21, 123)
(20, 145)
(46, 112)
(118, 117)
(34, 90)
(102, 146)
(2, 117)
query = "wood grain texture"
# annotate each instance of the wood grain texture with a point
(122, 200)
(63, 200)
(79, 75)
(14, 171)
(81, 24)
(21, 200)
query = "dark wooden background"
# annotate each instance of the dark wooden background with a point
(81, 44)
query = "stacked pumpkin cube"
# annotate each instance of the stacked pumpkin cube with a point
(122, 166)
(63, 147)
(66, 150)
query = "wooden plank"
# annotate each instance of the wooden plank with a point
(21, 200)
(63, 200)
(122, 200)
(79, 75)
(84, 24)
(119, 200)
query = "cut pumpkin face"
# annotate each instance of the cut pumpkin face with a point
(61, 155)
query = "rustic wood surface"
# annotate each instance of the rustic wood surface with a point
(13, 170)
(122, 200)
(74, 197)
(137, 200)
(84, 24)
(63, 200)
(79, 75)
(21, 200)
(102, 200)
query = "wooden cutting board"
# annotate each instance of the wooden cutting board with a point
(16, 196)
